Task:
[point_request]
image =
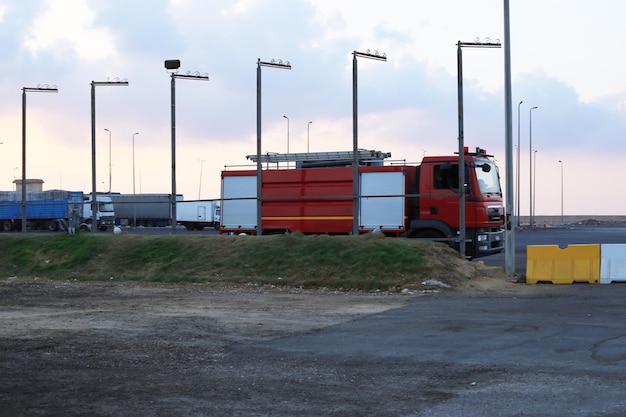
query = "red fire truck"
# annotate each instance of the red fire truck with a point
(404, 200)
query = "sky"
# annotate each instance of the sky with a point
(566, 61)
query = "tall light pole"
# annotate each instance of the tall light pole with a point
(534, 185)
(460, 45)
(509, 237)
(259, 178)
(134, 134)
(308, 135)
(39, 89)
(287, 132)
(517, 188)
(172, 65)
(94, 201)
(530, 159)
(134, 205)
(562, 220)
(356, 189)
(109, 159)
(200, 182)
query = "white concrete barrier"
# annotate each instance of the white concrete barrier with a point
(612, 263)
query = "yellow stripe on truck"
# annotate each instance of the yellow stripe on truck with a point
(309, 218)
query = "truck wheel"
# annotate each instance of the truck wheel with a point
(52, 226)
(7, 226)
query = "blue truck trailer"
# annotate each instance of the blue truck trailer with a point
(45, 210)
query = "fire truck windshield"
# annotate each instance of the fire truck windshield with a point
(488, 180)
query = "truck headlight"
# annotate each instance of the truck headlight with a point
(482, 238)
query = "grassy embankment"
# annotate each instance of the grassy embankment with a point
(366, 262)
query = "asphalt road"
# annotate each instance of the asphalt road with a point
(553, 351)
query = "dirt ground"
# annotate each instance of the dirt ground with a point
(75, 349)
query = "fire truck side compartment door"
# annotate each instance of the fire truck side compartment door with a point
(238, 209)
(383, 212)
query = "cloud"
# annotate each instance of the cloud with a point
(68, 25)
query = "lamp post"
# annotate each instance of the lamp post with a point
(94, 202)
(356, 190)
(109, 159)
(530, 159)
(460, 45)
(200, 182)
(308, 135)
(39, 89)
(134, 205)
(259, 179)
(562, 219)
(534, 185)
(509, 237)
(172, 65)
(287, 133)
(134, 134)
(517, 188)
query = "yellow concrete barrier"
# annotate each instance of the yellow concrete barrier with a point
(575, 263)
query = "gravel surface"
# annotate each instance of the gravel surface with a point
(122, 350)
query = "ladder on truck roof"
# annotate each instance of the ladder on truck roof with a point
(364, 155)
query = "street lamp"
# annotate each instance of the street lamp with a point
(530, 159)
(517, 189)
(94, 202)
(308, 135)
(202, 161)
(287, 132)
(486, 43)
(562, 220)
(109, 159)
(259, 179)
(172, 65)
(39, 89)
(356, 190)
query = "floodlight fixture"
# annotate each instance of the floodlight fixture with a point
(111, 83)
(275, 63)
(42, 88)
(195, 75)
(378, 56)
(481, 43)
(172, 64)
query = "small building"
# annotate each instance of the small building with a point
(31, 184)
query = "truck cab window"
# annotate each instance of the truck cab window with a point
(446, 177)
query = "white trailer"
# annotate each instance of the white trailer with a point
(196, 215)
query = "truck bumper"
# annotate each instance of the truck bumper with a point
(107, 222)
(488, 241)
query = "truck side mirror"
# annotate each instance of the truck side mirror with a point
(486, 167)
